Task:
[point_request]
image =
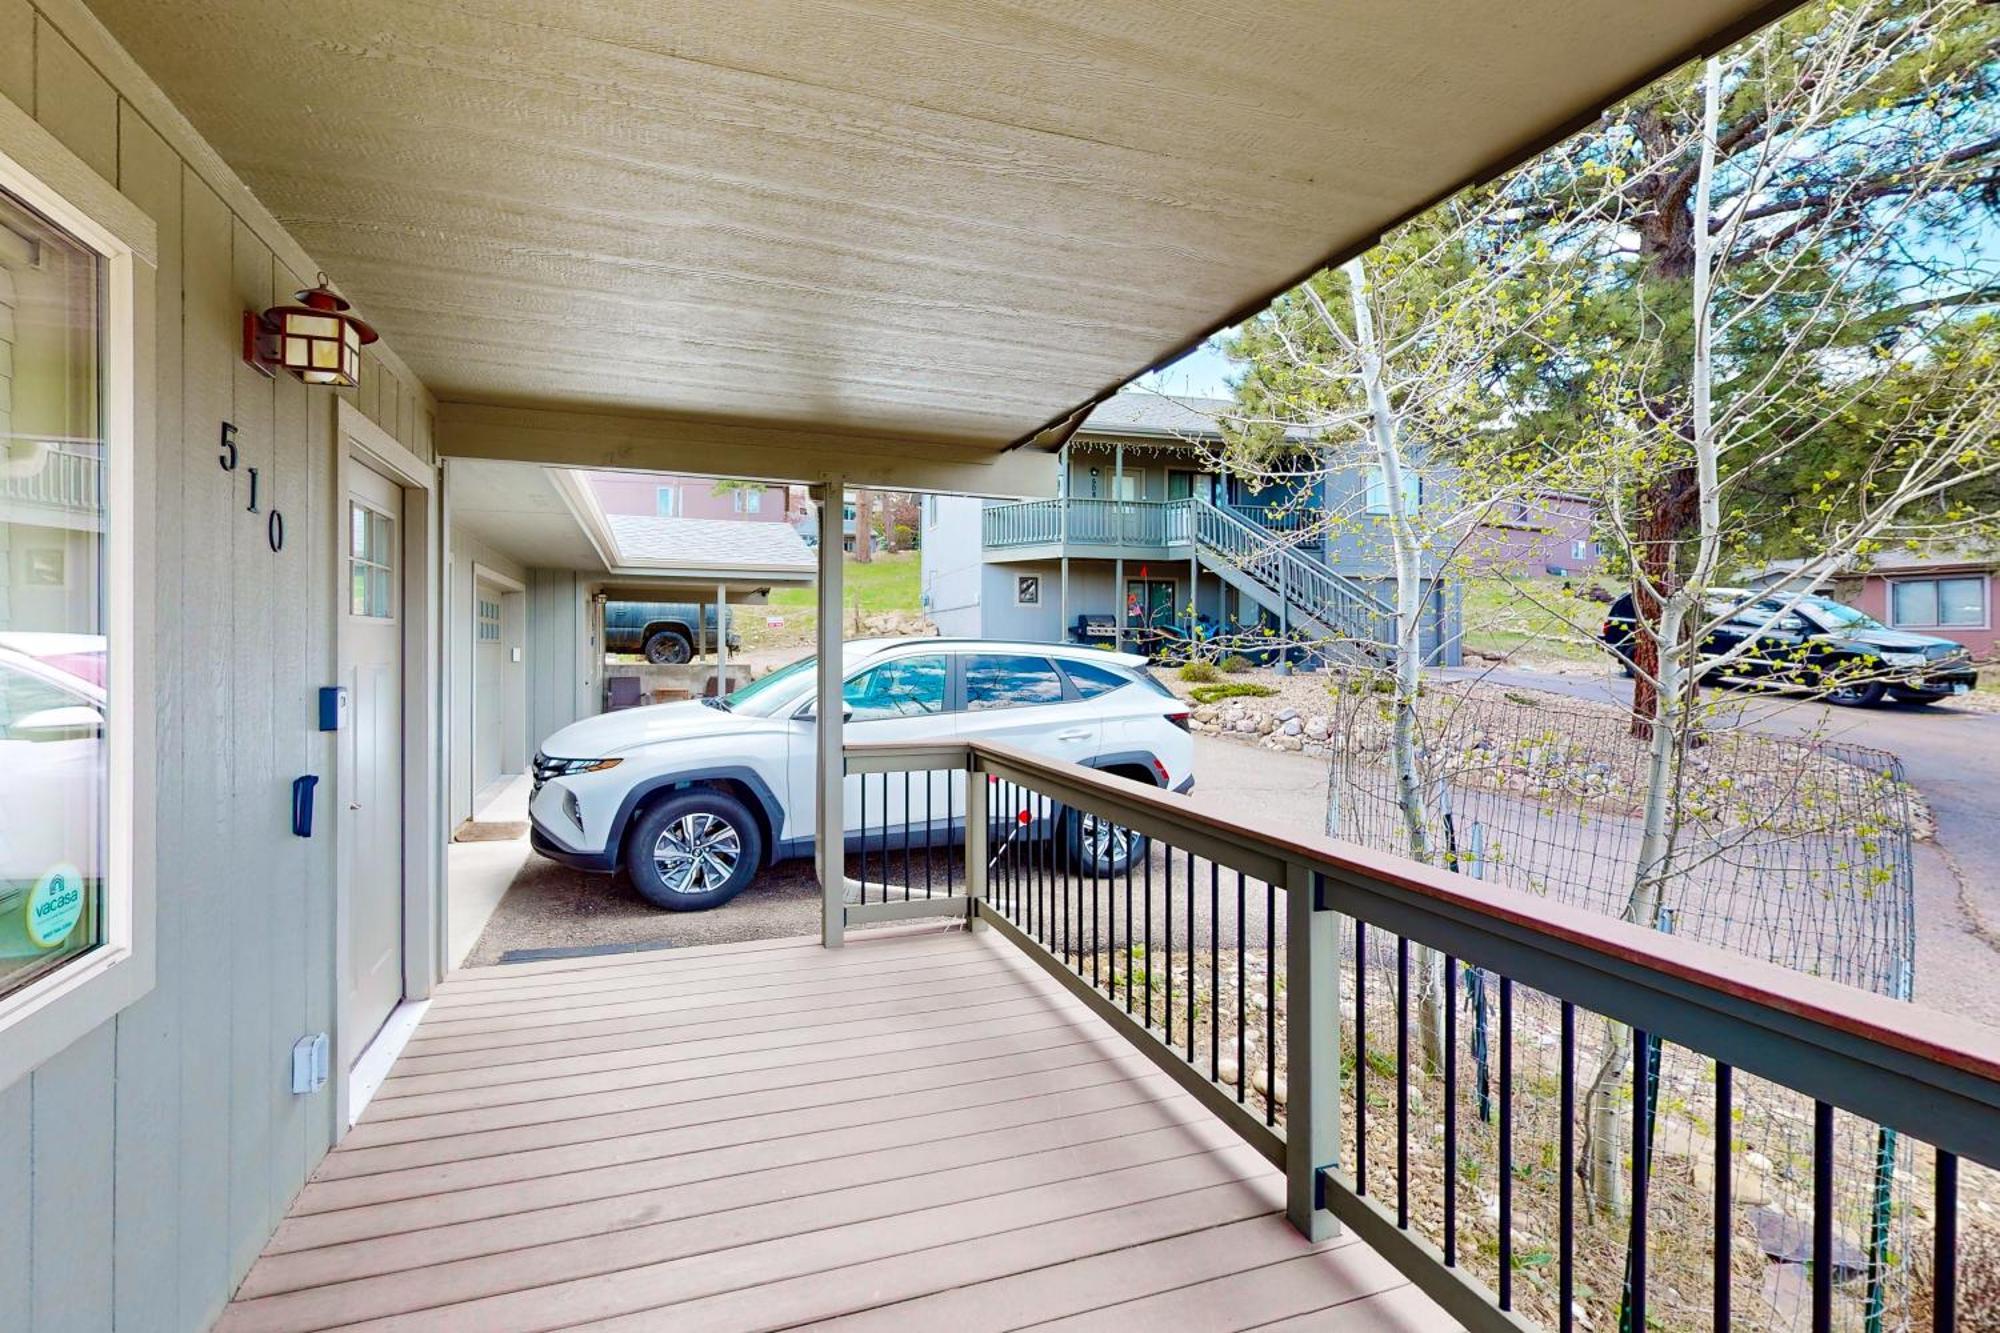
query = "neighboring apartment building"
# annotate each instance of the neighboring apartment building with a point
(1551, 532)
(658, 496)
(1147, 531)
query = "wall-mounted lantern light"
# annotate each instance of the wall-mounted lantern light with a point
(316, 340)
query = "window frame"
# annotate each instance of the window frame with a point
(1937, 621)
(391, 568)
(55, 1010)
(1375, 480)
(672, 495)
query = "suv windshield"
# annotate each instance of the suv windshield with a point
(770, 689)
(1837, 617)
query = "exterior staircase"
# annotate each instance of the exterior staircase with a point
(1352, 622)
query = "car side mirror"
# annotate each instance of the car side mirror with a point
(74, 722)
(810, 713)
(1790, 625)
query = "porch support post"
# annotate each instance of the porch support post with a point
(1312, 1052)
(1118, 508)
(1062, 541)
(721, 639)
(829, 767)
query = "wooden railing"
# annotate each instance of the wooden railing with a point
(1218, 951)
(1150, 523)
(1340, 606)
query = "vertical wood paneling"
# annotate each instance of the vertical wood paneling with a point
(291, 690)
(260, 816)
(17, 54)
(327, 511)
(74, 103)
(73, 1129)
(201, 883)
(146, 1161)
(146, 1164)
(17, 1199)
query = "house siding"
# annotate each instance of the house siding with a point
(1872, 594)
(148, 1162)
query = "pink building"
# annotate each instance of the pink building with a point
(1948, 594)
(657, 495)
(1547, 533)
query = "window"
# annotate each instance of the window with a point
(1002, 680)
(667, 501)
(489, 621)
(1092, 680)
(906, 687)
(1939, 603)
(749, 502)
(55, 791)
(1579, 550)
(1378, 491)
(1027, 590)
(371, 563)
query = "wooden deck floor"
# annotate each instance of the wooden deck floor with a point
(919, 1131)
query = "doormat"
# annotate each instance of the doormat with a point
(581, 951)
(474, 831)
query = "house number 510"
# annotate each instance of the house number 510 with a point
(274, 524)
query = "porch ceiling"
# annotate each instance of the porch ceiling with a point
(950, 224)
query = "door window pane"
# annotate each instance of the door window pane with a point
(1002, 680)
(53, 651)
(371, 563)
(907, 687)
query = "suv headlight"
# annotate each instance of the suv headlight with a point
(563, 768)
(1904, 659)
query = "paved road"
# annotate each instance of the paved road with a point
(1952, 755)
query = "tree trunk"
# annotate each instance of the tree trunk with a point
(864, 526)
(1428, 963)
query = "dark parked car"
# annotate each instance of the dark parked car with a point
(1818, 643)
(663, 631)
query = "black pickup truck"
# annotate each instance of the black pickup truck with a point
(663, 631)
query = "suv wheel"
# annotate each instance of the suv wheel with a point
(668, 647)
(1857, 694)
(1099, 846)
(693, 851)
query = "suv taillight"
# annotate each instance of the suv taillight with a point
(1179, 719)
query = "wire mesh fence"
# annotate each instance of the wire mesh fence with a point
(1796, 851)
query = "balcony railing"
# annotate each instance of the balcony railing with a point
(1295, 985)
(59, 475)
(1151, 523)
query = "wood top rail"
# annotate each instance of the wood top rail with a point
(1948, 1040)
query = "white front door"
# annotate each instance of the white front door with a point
(489, 688)
(372, 823)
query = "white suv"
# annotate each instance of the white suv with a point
(692, 799)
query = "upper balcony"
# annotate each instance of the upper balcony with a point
(1112, 529)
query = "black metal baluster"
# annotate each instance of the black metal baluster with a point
(1242, 999)
(1403, 1096)
(1147, 877)
(1450, 1111)
(1130, 847)
(1506, 1143)
(1214, 971)
(1096, 939)
(1360, 1057)
(908, 828)
(864, 841)
(1190, 959)
(1822, 1233)
(1634, 1317)
(1566, 1164)
(1270, 1005)
(1944, 1242)
(1724, 1187)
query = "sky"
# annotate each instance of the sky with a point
(1202, 373)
